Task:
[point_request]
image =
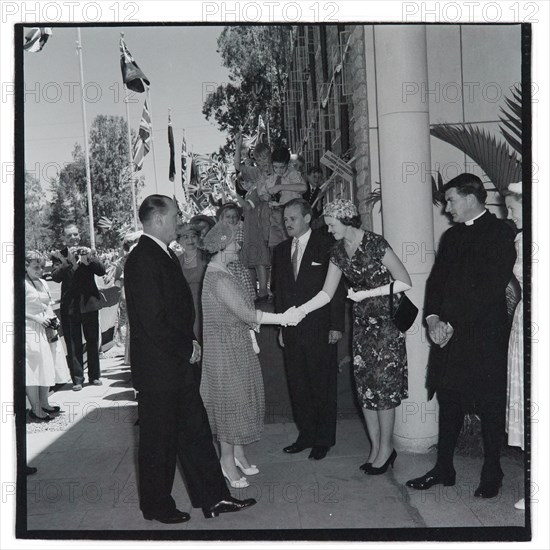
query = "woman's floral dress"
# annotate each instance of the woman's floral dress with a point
(379, 354)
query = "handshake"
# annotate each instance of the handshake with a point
(291, 317)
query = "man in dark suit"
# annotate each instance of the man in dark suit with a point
(172, 419)
(314, 181)
(75, 268)
(467, 322)
(300, 267)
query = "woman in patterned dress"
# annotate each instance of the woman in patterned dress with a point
(231, 385)
(379, 355)
(514, 410)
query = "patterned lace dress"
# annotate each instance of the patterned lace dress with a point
(379, 354)
(232, 385)
(514, 410)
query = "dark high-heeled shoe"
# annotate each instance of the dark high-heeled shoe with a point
(382, 470)
(366, 466)
(37, 418)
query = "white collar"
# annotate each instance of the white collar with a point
(471, 222)
(159, 242)
(303, 240)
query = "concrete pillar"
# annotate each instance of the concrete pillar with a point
(407, 214)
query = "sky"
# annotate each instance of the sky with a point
(181, 64)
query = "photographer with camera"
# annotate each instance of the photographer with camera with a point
(75, 267)
(41, 335)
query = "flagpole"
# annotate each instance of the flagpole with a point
(86, 152)
(153, 140)
(130, 159)
(170, 160)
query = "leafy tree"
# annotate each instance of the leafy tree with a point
(68, 203)
(110, 178)
(257, 57)
(35, 203)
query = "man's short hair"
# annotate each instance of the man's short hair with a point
(153, 204)
(314, 170)
(305, 207)
(467, 184)
(281, 154)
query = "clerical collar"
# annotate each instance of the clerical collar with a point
(471, 222)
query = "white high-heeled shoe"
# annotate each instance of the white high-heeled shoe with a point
(253, 470)
(520, 504)
(239, 484)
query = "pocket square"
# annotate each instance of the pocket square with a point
(315, 264)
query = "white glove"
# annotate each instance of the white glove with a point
(254, 342)
(272, 318)
(291, 316)
(359, 296)
(317, 302)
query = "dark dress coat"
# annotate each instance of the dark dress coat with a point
(467, 288)
(311, 362)
(172, 418)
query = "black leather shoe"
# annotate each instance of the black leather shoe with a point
(30, 470)
(430, 479)
(318, 452)
(488, 489)
(175, 517)
(294, 448)
(230, 504)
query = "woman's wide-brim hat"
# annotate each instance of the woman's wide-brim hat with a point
(218, 238)
(203, 218)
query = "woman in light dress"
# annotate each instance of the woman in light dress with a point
(514, 410)
(39, 352)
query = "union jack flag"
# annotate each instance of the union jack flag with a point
(142, 144)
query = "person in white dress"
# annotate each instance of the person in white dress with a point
(39, 322)
(514, 410)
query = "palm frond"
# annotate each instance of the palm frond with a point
(495, 159)
(511, 119)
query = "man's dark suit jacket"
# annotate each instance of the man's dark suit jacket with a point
(79, 292)
(161, 315)
(311, 278)
(467, 288)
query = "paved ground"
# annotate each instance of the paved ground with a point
(86, 478)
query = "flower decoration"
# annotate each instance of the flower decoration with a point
(340, 208)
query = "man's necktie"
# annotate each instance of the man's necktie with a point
(277, 196)
(173, 256)
(294, 259)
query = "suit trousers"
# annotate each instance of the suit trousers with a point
(491, 410)
(73, 327)
(174, 424)
(312, 377)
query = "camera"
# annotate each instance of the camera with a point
(54, 323)
(52, 334)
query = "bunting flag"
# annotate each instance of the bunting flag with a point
(172, 169)
(36, 38)
(142, 144)
(132, 75)
(186, 165)
(260, 136)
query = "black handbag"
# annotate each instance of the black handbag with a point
(404, 314)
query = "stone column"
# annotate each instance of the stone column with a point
(407, 214)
